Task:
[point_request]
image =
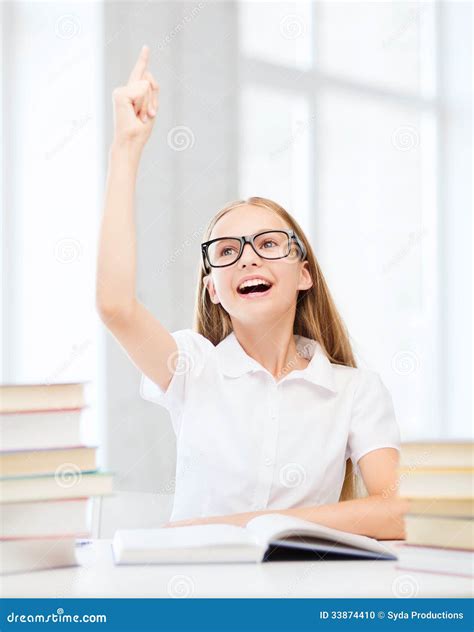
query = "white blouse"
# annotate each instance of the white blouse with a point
(246, 442)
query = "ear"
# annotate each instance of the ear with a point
(209, 285)
(305, 277)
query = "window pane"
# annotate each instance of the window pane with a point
(278, 32)
(274, 147)
(375, 241)
(376, 42)
(55, 173)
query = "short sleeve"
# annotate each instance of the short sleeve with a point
(193, 348)
(373, 424)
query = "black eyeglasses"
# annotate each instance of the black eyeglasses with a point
(269, 244)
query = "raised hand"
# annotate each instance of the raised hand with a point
(136, 104)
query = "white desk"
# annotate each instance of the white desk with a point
(99, 577)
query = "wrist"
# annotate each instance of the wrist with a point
(125, 149)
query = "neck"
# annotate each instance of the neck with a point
(273, 346)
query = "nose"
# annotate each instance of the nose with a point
(248, 257)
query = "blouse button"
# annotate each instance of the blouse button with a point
(268, 461)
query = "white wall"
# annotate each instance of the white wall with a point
(188, 170)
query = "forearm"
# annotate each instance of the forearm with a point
(116, 264)
(373, 516)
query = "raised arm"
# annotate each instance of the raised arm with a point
(150, 346)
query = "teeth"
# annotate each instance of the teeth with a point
(253, 282)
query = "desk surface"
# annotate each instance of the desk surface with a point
(97, 576)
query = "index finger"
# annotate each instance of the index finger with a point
(141, 65)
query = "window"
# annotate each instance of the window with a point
(52, 156)
(350, 95)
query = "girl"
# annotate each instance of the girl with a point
(269, 409)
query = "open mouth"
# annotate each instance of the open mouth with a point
(254, 290)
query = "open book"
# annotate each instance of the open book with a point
(265, 538)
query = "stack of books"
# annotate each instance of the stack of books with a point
(47, 476)
(437, 478)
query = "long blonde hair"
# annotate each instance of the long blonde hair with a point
(316, 315)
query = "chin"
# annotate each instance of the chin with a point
(259, 314)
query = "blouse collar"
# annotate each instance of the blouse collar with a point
(234, 362)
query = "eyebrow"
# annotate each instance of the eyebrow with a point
(260, 230)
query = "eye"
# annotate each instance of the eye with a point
(269, 241)
(225, 249)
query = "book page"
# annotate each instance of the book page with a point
(205, 535)
(277, 526)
